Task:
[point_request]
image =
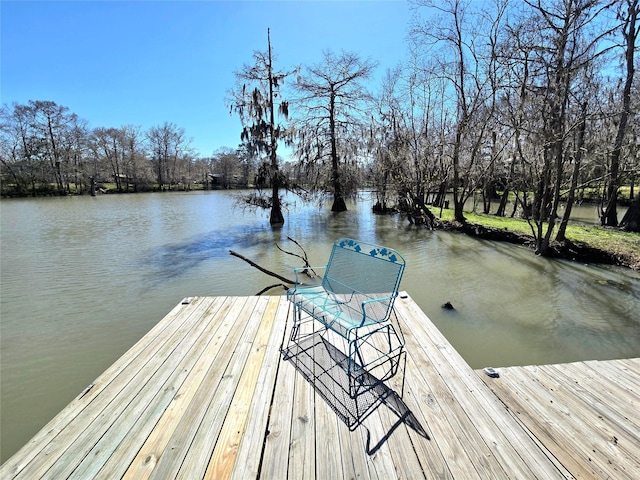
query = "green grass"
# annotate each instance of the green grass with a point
(607, 239)
(516, 225)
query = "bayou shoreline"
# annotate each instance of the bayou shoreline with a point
(567, 250)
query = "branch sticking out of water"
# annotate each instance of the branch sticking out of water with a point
(305, 259)
(262, 269)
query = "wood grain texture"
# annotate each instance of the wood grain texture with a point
(207, 393)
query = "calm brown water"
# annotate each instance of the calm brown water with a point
(82, 279)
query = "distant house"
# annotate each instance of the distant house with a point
(216, 180)
(219, 180)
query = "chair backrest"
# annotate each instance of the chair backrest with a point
(365, 268)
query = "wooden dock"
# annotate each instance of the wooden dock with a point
(207, 394)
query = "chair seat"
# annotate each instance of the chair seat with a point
(340, 312)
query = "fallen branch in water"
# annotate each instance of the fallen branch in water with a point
(262, 269)
(266, 289)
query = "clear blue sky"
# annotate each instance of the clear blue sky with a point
(116, 63)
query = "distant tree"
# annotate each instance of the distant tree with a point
(136, 164)
(18, 151)
(225, 162)
(119, 151)
(555, 46)
(50, 123)
(107, 145)
(330, 115)
(74, 147)
(258, 101)
(248, 163)
(462, 42)
(167, 145)
(406, 157)
(41, 141)
(388, 142)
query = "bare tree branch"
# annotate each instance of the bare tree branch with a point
(262, 269)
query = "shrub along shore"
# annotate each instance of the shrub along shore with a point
(585, 243)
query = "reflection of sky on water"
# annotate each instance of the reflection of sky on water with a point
(307, 224)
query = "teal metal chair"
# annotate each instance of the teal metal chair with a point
(353, 303)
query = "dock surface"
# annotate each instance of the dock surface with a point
(207, 393)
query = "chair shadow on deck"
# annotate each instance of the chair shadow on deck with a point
(322, 365)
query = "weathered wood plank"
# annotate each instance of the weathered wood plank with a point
(446, 428)
(277, 441)
(249, 454)
(226, 448)
(572, 413)
(399, 423)
(39, 448)
(207, 394)
(382, 463)
(214, 431)
(154, 445)
(328, 449)
(117, 394)
(625, 385)
(117, 447)
(615, 411)
(581, 424)
(302, 452)
(487, 433)
(431, 453)
(209, 406)
(527, 400)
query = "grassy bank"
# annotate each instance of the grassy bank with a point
(612, 242)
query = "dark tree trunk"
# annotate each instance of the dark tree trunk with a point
(631, 219)
(276, 219)
(339, 205)
(577, 161)
(610, 214)
(338, 199)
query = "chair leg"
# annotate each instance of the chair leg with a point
(374, 357)
(295, 329)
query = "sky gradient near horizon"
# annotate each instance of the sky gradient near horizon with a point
(116, 63)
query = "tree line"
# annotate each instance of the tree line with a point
(528, 105)
(47, 150)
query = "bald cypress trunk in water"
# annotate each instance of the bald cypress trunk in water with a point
(339, 205)
(276, 218)
(631, 219)
(338, 200)
(254, 99)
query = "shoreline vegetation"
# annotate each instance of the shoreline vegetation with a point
(585, 244)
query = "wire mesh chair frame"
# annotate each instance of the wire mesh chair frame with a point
(354, 303)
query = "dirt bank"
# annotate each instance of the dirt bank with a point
(568, 250)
